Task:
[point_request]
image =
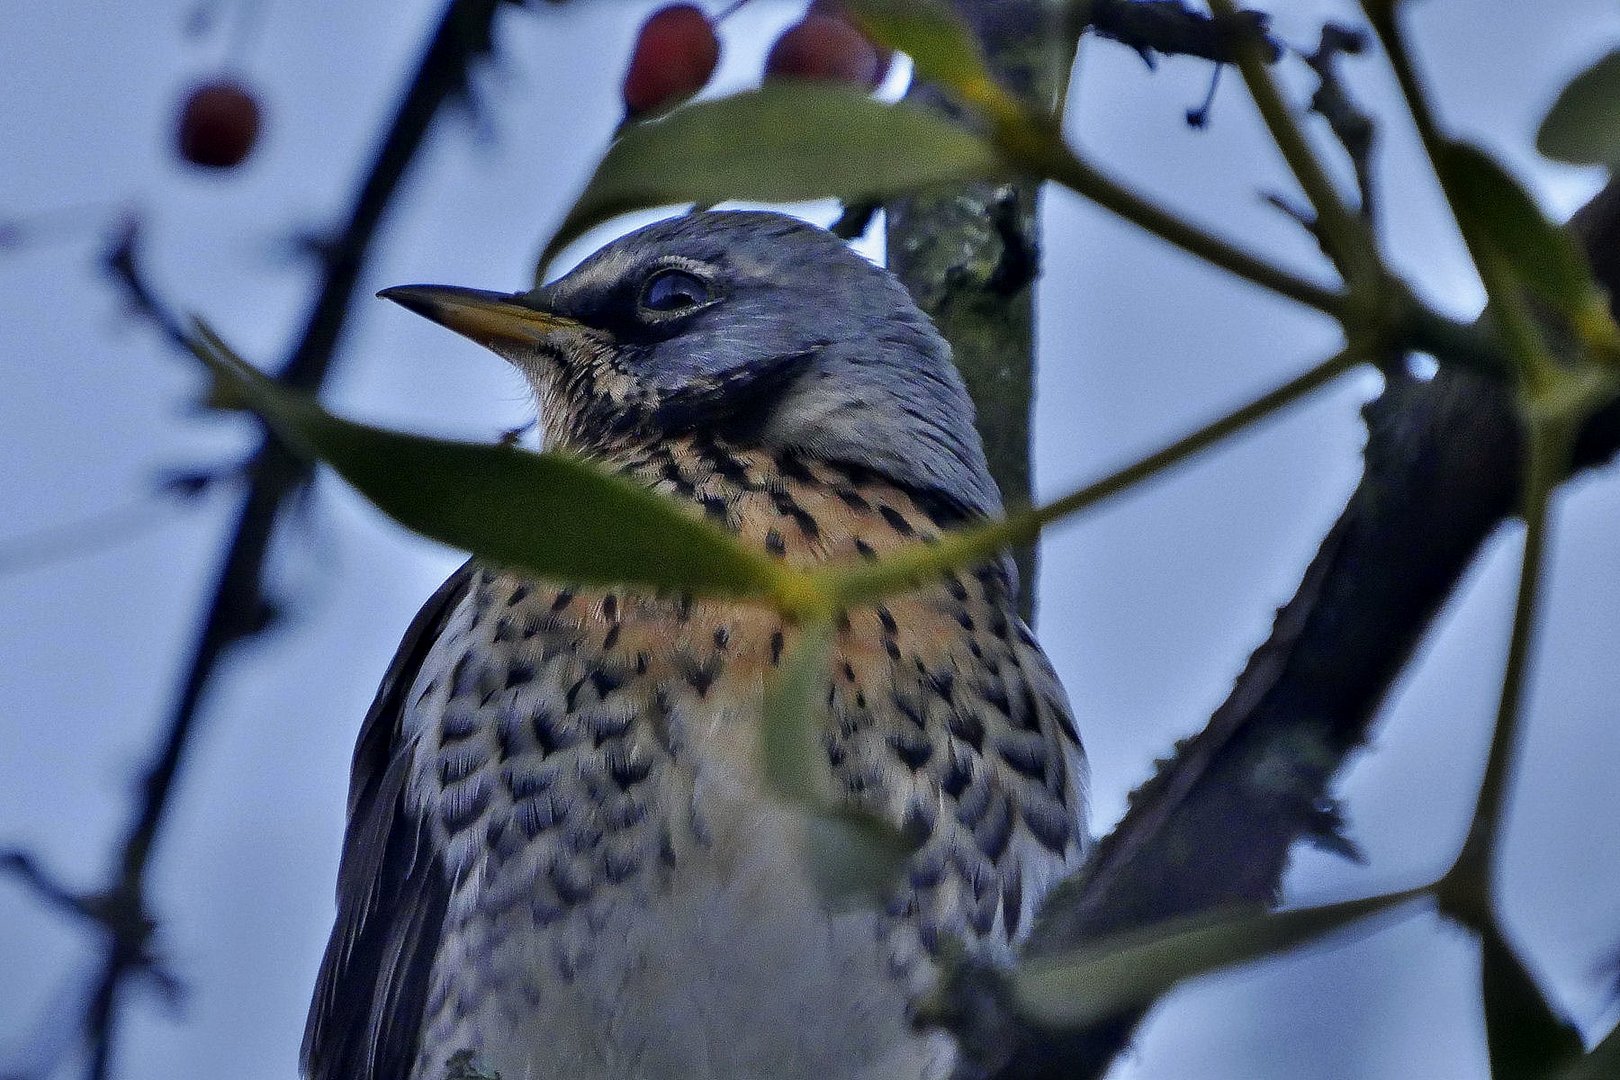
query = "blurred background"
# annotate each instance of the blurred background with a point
(1148, 606)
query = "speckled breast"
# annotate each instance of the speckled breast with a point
(626, 902)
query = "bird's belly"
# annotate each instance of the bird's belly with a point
(728, 968)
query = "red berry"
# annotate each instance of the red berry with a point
(838, 10)
(675, 54)
(219, 123)
(823, 47)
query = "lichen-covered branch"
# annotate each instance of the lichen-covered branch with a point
(970, 254)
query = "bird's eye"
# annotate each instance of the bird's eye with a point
(674, 290)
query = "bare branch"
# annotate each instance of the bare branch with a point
(235, 611)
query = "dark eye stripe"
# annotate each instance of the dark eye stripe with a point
(671, 290)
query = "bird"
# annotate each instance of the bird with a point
(560, 859)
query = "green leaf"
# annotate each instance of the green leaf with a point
(1543, 255)
(1583, 126)
(792, 757)
(942, 47)
(547, 514)
(784, 142)
(853, 857)
(1133, 968)
(1528, 1040)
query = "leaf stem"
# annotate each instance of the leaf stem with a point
(1056, 162)
(1466, 891)
(863, 583)
(1348, 240)
(1514, 321)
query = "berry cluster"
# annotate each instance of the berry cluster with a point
(678, 49)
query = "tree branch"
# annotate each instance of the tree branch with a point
(1216, 823)
(235, 611)
(970, 254)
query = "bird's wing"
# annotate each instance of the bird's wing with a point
(366, 1017)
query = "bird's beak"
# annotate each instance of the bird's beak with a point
(494, 320)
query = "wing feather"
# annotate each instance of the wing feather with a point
(366, 1017)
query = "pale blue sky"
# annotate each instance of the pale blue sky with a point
(1148, 607)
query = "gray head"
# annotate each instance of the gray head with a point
(747, 324)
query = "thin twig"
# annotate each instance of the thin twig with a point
(234, 612)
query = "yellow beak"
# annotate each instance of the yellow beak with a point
(490, 318)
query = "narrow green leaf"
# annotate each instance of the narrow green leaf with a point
(1528, 1040)
(1133, 968)
(793, 759)
(1543, 255)
(1583, 126)
(854, 858)
(784, 142)
(551, 515)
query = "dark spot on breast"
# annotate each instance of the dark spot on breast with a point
(605, 726)
(967, 726)
(734, 470)
(683, 487)
(461, 676)
(896, 520)
(457, 724)
(517, 596)
(1051, 823)
(891, 648)
(563, 598)
(958, 775)
(701, 676)
(502, 839)
(627, 771)
(908, 707)
(642, 660)
(715, 507)
(942, 683)
(777, 643)
(722, 637)
(550, 735)
(523, 783)
(1026, 756)
(864, 550)
(912, 749)
(463, 804)
(620, 866)
(849, 671)
(610, 607)
(605, 682)
(851, 498)
(954, 586)
(518, 674)
(456, 765)
(994, 830)
(886, 617)
(965, 621)
(612, 638)
(774, 542)
(792, 467)
(1012, 904)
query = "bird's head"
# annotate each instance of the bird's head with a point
(748, 325)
